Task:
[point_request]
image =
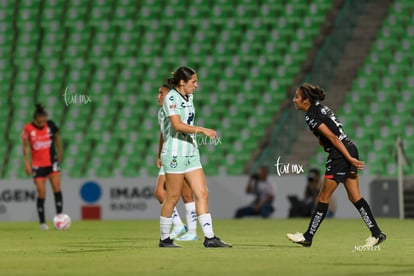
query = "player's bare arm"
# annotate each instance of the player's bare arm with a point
(161, 141)
(325, 131)
(27, 166)
(178, 125)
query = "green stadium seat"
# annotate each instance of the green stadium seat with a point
(120, 52)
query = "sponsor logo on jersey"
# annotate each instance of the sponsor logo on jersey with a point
(41, 145)
(171, 98)
(342, 136)
(313, 124)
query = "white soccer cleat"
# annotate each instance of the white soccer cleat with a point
(44, 227)
(177, 231)
(187, 237)
(299, 238)
(373, 241)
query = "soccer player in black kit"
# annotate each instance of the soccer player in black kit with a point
(341, 167)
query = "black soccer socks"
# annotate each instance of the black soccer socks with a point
(367, 216)
(58, 202)
(317, 218)
(40, 205)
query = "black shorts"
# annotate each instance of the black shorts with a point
(337, 167)
(43, 172)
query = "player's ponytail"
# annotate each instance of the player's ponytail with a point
(182, 73)
(39, 111)
(312, 92)
(166, 85)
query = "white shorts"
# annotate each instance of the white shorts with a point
(180, 164)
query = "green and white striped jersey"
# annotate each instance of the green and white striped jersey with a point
(177, 143)
(161, 118)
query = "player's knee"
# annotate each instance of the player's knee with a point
(41, 193)
(202, 195)
(187, 194)
(351, 198)
(354, 198)
(171, 202)
(324, 197)
(173, 197)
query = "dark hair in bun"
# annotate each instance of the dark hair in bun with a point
(39, 111)
(312, 92)
(182, 73)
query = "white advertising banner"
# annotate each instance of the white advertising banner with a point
(132, 198)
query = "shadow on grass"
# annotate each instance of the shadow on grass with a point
(265, 246)
(120, 244)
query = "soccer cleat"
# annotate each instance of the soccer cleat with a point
(168, 243)
(373, 241)
(215, 242)
(300, 239)
(177, 231)
(44, 227)
(187, 237)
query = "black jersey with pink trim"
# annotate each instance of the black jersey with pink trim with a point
(318, 114)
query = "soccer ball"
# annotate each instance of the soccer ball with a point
(61, 222)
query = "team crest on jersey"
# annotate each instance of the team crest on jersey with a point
(173, 106)
(33, 133)
(173, 163)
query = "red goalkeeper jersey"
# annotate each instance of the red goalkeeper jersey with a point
(41, 143)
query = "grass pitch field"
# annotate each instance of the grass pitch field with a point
(260, 248)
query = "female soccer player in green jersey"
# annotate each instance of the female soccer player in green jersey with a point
(180, 157)
(179, 230)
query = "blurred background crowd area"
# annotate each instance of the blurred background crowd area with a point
(250, 55)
